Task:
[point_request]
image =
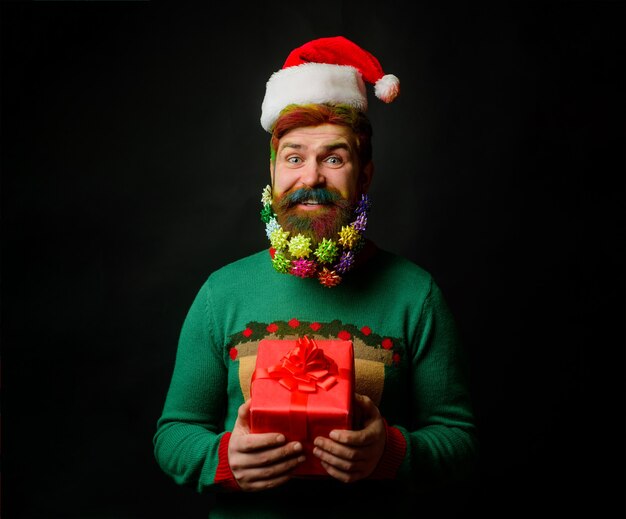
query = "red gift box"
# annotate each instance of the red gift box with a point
(302, 388)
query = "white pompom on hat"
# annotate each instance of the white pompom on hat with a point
(326, 70)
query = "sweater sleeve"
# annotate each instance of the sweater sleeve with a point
(441, 440)
(395, 450)
(190, 429)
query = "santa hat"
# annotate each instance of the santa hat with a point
(326, 70)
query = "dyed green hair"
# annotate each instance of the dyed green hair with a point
(299, 116)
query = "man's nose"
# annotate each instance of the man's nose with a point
(311, 175)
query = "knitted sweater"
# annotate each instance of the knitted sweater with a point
(408, 360)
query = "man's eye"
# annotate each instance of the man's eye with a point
(294, 160)
(334, 160)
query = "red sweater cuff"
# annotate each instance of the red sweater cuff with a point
(395, 450)
(223, 474)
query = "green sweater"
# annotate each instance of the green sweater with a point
(407, 359)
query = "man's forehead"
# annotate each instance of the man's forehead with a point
(325, 136)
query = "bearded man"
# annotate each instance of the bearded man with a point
(412, 428)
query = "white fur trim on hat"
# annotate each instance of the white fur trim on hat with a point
(312, 83)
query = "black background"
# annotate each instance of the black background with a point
(132, 165)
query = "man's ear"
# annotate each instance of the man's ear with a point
(366, 177)
(271, 173)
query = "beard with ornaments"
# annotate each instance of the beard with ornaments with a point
(320, 243)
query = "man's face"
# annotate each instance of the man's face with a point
(317, 180)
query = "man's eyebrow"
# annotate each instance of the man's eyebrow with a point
(291, 145)
(337, 146)
(326, 147)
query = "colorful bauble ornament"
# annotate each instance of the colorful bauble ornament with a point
(267, 213)
(329, 278)
(326, 251)
(270, 227)
(303, 268)
(266, 196)
(281, 263)
(330, 260)
(345, 262)
(349, 236)
(278, 238)
(300, 246)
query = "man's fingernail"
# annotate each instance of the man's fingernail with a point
(280, 438)
(297, 447)
(334, 435)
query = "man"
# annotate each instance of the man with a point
(321, 278)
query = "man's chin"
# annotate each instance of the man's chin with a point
(316, 223)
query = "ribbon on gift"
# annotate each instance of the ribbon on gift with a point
(303, 369)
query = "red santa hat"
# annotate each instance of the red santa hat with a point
(326, 70)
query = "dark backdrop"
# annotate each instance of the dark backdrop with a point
(132, 166)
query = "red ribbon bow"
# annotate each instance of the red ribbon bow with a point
(305, 368)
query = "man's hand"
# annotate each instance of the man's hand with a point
(353, 455)
(260, 461)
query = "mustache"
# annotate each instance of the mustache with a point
(317, 195)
